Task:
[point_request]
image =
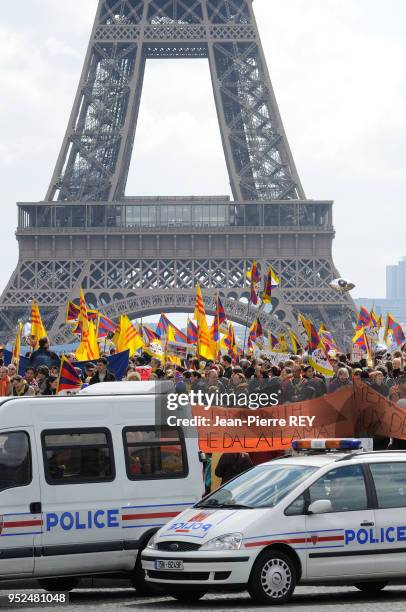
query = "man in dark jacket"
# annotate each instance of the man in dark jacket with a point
(44, 357)
(102, 373)
(232, 464)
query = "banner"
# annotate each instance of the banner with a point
(353, 411)
(177, 349)
(117, 364)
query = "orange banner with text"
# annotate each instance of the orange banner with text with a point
(354, 411)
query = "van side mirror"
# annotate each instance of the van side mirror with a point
(202, 457)
(320, 506)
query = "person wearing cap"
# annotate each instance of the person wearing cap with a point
(102, 374)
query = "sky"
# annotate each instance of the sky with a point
(337, 68)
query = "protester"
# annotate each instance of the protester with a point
(102, 374)
(43, 356)
(21, 387)
(6, 387)
(232, 464)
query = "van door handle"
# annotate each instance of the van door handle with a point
(367, 524)
(35, 507)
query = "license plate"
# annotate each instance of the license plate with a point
(161, 564)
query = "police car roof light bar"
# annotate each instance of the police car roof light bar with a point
(341, 444)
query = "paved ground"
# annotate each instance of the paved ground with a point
(305, 599)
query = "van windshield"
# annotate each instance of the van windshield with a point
(263, 486)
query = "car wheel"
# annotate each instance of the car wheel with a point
(370, 587)
(59, 584)
(186, 596)
(273, 578)
(138, 580)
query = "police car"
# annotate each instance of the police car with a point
(329, 514)
(86, 480)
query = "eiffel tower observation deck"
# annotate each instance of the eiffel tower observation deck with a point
(142, 255)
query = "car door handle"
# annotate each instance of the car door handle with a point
(35, 507)
(367, 524)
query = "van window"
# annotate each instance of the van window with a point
(152, 452)
(344, 487)
(15, 460)
(78, 456)
(390, 484)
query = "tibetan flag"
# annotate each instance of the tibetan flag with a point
(221, 313)
(72, 312)
(395, 329)
(171, 338)
(149, 334)
(162, 326)
(105, 326)
(69, 379)
(191, 332)
(17, 345)
(364, 318)
(271, 282)
(376, 321)
(162, 329)
(255, 332)
(360, 341)
(314, 338)
(327, 339)
(37, 328)
(294, 341)
(254, 278)
(229, 343)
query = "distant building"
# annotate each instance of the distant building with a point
(396, 281)
(381, 306)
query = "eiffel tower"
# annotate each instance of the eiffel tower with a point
(142, 255)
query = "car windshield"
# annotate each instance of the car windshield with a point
(262, 487)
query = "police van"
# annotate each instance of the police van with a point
(329, 514)
(86, 480)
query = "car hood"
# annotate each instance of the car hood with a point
(203, 524)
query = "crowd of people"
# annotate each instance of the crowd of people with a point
(292, 380)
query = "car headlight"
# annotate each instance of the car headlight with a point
(152, 542)
(230, 541)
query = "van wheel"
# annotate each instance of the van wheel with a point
(187, 596)
(273, 578)
(59, 584)
(370, 587)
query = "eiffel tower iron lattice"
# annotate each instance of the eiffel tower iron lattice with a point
(141, 255)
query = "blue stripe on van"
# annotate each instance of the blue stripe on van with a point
(159, 505)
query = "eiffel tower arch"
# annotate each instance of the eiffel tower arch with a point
(144, 254)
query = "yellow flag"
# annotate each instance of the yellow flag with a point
(206, 348)
(37, 328)
(83, 318)
(88, 349)
(170, 337)
(130, 338)
(294, 341)
(17, 344)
